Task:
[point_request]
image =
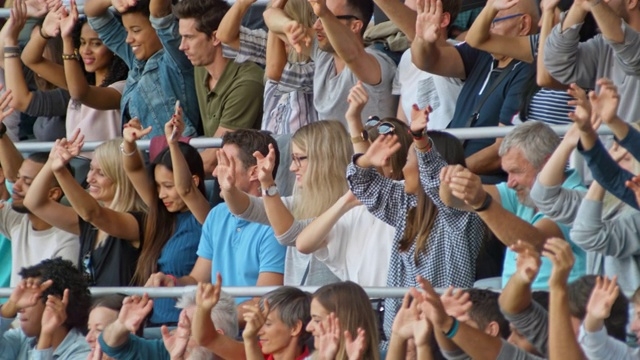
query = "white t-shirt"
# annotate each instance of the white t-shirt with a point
(358, 248)
(29, 247)
(420, 87)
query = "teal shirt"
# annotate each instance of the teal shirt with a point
(509, 199)
(5, 255)
(136, 348)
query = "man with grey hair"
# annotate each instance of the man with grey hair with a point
(118, 341)
(507, 208)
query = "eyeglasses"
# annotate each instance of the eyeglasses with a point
(298, 159)
(347, 17)
(497, 20)
(384, 127)
(88, 269)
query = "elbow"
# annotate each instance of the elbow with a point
(20, 103)
(89, 214)
(303, 247)
(184, 191)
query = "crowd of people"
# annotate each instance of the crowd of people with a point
(377, 193)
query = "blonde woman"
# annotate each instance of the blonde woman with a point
(320, 154)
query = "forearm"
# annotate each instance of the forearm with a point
(93, 8)
(425, 55)
(159, 8)
(14, 80)
(424, 352)
(76, 81)
(588, 139)
(38, 194)
(596, 192)
(619, 127)
(344, 41)
(10, 158)
(401, 15)
(485, 161)
(181, 173)
(574, 17)
(479, 32)
(44, 340)
(252, 349)
(509, 228)
(205, 334)
(276, 19)
(279, 216)
(592, 323)
(543, 78)
(397, 348)
(552, 174)
(355, 131)
(608, 21)
(133, 163)
(562, 339)
(314, 236)
(475, 343)
(9, 310)
(229, 28)
(116, 334)
(237, 200)
(516, 296)
(276, 57)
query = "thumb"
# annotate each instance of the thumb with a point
(165, 332)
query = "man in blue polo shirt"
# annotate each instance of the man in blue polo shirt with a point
(507, 208)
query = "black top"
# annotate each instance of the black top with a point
(114, 262)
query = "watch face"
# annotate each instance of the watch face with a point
(271, 190)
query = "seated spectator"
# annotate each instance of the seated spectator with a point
(117, 339)
(340, 56)
(49, 102)
(245, 253)
(53, 300)
(596, 215)
(172, 228)
(229, 93)
(431, 239)
(507, 208)
(32, 238)
(612, 53)
(159, 73)
(95, 108)
(319, 155)
(492, 89)
(108, 219)
(104, 311)
(288, 91)
(275, 329)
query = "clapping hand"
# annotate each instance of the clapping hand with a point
(266, 164)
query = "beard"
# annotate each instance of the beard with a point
(21, 209)
(524, 197)
(200, 353)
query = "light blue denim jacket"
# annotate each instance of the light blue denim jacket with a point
(15, 345)
(153, 86)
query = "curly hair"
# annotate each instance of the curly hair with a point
(64, 276)
(118, 69)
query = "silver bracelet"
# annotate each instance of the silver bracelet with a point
(126, 153)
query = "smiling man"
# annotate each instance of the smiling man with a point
(229, 94)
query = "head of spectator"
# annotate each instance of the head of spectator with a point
(356, 14)
(240, 146)
(108, 182)
(320, 153)
(141, 36)
(199, 21)
(103, 312)
(520, 20)
(523, 152)
(64, 276)
(579, 293)
(99, 62)
(224, 315)
(485, 313)
(517, 338)
(399, 158)
(352, 307)
(285, 326)
(162, 216)
(302, 12)
(421, 218)
(30, 167)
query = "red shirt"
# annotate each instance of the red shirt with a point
(302, 356)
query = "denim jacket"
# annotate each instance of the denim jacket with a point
(153, 86)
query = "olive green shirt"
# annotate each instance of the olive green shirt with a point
(235, 102)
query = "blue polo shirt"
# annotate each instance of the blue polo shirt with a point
(509, 199)
(238, 249)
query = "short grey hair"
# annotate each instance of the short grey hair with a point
(224, 315)
(536, 140)
(293, 306)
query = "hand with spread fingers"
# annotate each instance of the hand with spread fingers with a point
(254, 319)
(603, 295)
(456, 303)
(225, 171)
(176, 343)
(528, 261)
(355, 347)
(559, 252)
(329, 337)
(266, 164)
(583, 115)
(55, 313)
(379, 152)
(26, 294)
(430, 16)
(134, 310)
(605, 103)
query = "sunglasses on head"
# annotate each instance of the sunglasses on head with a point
(384, 127)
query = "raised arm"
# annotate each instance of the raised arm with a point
(401, 15)
(562, 338)
(10, 157)
(276, 57)
(94, 8)
(14, 76)
(426, 53)
(117, 224)
(254, 318)
(133, 163)
(547, 22)
(185, 182)
(159, 8)
(132, 314)
(357, 100)
(32, 55)
(97, 97)
(480, 37)
(516, 295)
(605, 105)
(229, 28)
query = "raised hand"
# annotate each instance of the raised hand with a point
(559, 252)
(28, 292)
(69, 20)
(503, 4)
(225, 171)
(36, 8)
(549, 5)
(298, 35)
(55, 313)
(133, 131)
(420, 118)
(174, 128)
(134, 310)
(603, 295)
(582, 116)
(51, 25)
(329, 337)
(123, 5)
(605, 104)
(207, 295)
(355, 347)
(572, 136)
(406, 317)
(527, 262)
(429, 20)
(456, 303)
(432, 305)
(254, 319)
(380, 152)
(422, 330)
(176, 344)
(16, 22)
(464, 185)
(65, 150)
(634, 185)
(319, 7)
(357, 99)
(5, 100)
(265, 166)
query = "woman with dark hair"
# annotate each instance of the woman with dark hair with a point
(172, 231)
(103, 312)
(431, 239)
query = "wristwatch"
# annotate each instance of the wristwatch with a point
(270, 191)
(364, 136)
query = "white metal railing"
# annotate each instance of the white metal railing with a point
(467, 133)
